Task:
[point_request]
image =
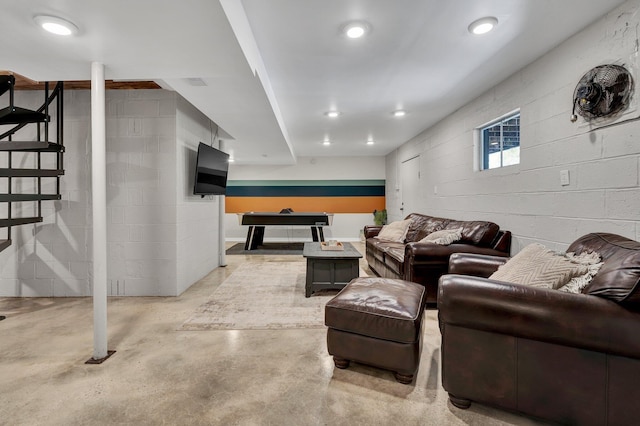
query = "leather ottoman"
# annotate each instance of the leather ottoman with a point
(377, 321)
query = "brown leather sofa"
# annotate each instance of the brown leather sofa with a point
(568, 358)
(424, 263)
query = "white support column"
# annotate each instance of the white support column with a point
(221, 220)
(99, 210)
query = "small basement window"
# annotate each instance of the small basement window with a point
(500, 142)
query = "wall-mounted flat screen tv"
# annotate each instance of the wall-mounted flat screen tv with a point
(212, 167)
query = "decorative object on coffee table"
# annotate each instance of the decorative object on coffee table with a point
(332, 245)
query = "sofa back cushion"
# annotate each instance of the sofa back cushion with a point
(423, 225)
(443, 237)
(479, 233)
(619, 277)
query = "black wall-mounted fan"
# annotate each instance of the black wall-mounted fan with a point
(603, 91)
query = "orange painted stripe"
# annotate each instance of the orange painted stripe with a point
(304, 204)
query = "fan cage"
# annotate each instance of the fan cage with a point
(603, 91)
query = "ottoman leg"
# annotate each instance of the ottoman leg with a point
(341, 362)
(405, 379)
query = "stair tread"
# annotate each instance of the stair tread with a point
(41, 146)
(17, 221)
(28, 197)
(18, 115)
(6, 81)
(31, 172)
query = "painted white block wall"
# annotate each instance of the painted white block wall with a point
(198, 219)
(345, 227)
(152, 136)
(528, 199)
(141, 200)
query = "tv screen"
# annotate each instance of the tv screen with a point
(212, 166)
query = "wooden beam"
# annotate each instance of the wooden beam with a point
(24, 83)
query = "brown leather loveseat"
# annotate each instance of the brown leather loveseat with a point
(565, 357)
(424, 263)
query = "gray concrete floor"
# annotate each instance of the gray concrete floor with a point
(162, 376)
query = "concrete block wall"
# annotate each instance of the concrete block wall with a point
(141, 200)
(148, 202)
(52, 258)
(346, 226)
(603, 159)
(198, 219)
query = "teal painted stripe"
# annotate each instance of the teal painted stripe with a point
(365, 182)
(305, 191)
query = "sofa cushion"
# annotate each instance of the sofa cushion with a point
(480, 233)
(537, 266)
(423, 225)
(619, 277)
(394, 259)
(443, 237)
(395, 231)
(376, 248)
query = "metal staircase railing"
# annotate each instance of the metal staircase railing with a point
(42, 144)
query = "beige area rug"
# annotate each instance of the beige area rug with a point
(258, 296)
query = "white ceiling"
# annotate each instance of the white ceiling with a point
(272, 68)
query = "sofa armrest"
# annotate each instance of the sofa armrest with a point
(480, 265)
(503, 241)
(576, 320)
(371, 231)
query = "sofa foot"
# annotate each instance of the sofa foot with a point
(460, 402)
(405, 379)
(341, 362)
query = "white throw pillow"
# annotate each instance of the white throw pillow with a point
(395, 231)
(443, 237)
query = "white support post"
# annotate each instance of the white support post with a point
(221, 220)
(99, 210)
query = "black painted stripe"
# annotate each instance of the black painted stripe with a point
(305, 191)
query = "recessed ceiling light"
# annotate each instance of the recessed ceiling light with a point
(56, 25)
(332, 114)
(355, 29)
(399, 113)
(483, 25)
(326, 143)
(370, 142)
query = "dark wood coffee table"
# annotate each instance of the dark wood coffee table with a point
(330, 269)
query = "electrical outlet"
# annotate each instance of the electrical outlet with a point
(564, 177)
